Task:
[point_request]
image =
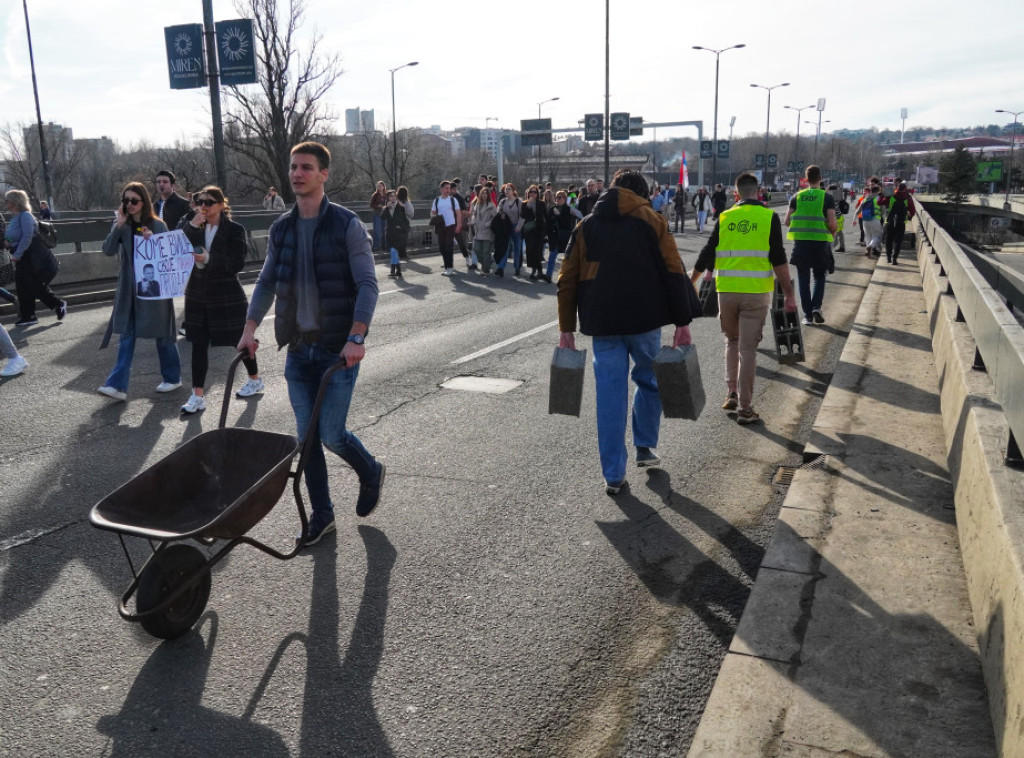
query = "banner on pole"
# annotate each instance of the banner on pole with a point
(185, 56)
(236, 52)
(593, 127)
(163, 263)
(620, 126)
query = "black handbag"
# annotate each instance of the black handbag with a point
(44, 263)
(500, 224)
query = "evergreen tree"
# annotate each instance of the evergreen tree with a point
(957, 175)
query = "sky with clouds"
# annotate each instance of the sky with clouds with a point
(101, 65)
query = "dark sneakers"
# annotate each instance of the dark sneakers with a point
(369, 493)
(316, 531)
(747, 416)
(646, 457)
(818, 317)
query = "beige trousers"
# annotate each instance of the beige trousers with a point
(742, 316)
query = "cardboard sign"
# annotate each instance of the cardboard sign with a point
(163, 264)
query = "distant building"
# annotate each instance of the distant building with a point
(58, 138)
(358, 121)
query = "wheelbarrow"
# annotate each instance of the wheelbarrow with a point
(215, 487)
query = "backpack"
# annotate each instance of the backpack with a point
(868, 209)
(898, 209)
(48, 233)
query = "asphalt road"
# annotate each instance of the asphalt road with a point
(498, 603)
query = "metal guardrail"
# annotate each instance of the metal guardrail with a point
(985, 296)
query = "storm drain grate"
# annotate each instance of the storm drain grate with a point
(784, 475)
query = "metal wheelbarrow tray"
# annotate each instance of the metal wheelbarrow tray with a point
(217, 486)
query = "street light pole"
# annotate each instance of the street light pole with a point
(817, 133)
(768, 121)
(714, 153)
(798, 112)
(395, 179)
(540, 174)
(39, 116)
(1013, 140)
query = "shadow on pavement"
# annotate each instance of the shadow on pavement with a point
(164, 714)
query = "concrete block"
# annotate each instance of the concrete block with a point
(565, 395)
(679, 382)
(796, 541)
(771, 617)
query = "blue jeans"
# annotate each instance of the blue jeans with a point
(553, 253)
(303, 370)
(379, 231)
(611, 375)
(810, 300)
(166, 350)
(516, 243)
(394, 257)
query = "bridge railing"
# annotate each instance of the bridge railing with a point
(986, 295)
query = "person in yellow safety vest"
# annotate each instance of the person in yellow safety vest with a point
(747, 253)
(842, 208)
(812, 224)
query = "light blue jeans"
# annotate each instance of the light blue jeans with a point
(166, 350)
(303, 370)
(515, 241)
(611, 374)
(380, 229)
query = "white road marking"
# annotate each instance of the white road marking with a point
(498, 346)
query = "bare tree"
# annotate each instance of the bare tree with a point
(288, 106)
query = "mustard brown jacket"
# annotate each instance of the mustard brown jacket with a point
(622, 272)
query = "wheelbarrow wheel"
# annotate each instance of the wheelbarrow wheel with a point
(165, 573)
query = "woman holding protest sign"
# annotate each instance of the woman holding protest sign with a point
(135, 317)
(215, 303)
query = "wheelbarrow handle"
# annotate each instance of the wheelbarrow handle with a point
(230, 386)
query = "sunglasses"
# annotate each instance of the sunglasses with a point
(131, 200)
(207, 202)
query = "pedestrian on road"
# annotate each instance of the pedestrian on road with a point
(624, 278)
(446, 209)
(747, 253)
(679, 201)
(586, 202)
(535, 230)
(169, 206)
(481, 217)
(377, 201)
(718, 200)
(812, 226)
(701, 204)
(45, 214)
(901, 207)
(398, 212)
(131, 317)
(16, 362)
(561, 222)
(512, 208)
(320, 269)
(215, 303)
(871, 215)
(460, 236)
(27, 250)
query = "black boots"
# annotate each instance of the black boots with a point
(396, 271)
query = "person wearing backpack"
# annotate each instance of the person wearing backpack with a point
(871, 215)
(29, 251)
(901, 207)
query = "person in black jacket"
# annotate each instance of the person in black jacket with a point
(169, 206)
(561, 222)
(215, 303)
(624, 278)
(718, 200)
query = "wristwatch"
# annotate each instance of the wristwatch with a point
(356, 338)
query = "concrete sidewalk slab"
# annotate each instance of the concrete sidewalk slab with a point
(858, 636)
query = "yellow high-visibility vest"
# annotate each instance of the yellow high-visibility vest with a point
(741, 258)
(808, 220)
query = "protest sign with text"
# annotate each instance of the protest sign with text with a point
(162, 265)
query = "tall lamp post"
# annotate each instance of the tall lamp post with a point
(1013, 139)
(714, 153)
(768, 120)
(396, 180)
(798, 111)
(39, 116)
(817, 133)
(540, 175)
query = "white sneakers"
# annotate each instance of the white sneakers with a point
(195, 403)
(168, 386)
(15, 365)
(250, 388)
(113, 394)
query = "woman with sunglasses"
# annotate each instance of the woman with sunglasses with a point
(133, 317)
(215, 303)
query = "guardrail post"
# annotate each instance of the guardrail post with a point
(1013, 456)
(979, 362)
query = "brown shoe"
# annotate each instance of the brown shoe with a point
(747, 416)
(731, 402)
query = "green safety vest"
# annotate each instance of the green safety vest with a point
(808, 220)
(741, 258)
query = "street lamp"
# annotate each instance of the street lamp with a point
(394, 130)
(768, 120)
(714, 153)
(540, 174)
(1013, 139)
(798, 111)
(817, 132)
